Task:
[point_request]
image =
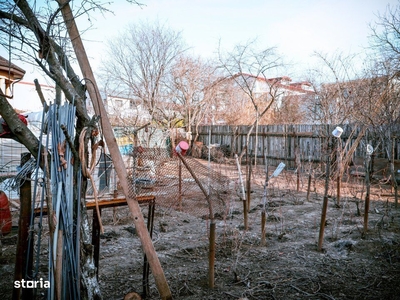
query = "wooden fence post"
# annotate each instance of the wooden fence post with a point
(22, 262)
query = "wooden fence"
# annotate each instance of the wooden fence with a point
(305, 142)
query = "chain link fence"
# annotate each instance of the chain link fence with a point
(158, 172)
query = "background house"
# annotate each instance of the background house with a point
(9, 75)
(21, 94)
(289, 100)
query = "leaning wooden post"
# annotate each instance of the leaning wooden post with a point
(116, 157)
(211, 253)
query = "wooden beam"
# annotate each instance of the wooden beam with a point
(104, 203)
(116, 157)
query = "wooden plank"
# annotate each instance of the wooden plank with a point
(104, 203)
(116, 157)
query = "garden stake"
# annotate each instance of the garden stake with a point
(325, 201)
(393, 174)
(339, 172)
(309, 180)
(263, 212)
(243, 193)
(276, 173)
(368, 186)
(180, 185)
(211, 253)
(248, 183)
(298, 163)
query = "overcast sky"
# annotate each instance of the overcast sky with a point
(296, 27)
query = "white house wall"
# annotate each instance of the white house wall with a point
(26, 98)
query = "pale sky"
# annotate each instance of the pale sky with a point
(296, 27)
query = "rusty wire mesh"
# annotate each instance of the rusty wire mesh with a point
(157, 172)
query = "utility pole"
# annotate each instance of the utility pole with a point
(116, 157)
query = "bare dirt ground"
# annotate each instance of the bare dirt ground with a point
(351, 265)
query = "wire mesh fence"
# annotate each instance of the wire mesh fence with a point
(158, 172)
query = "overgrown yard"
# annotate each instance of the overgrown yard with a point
(351, 265)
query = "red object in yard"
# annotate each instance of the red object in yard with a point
(182, 147)
(6, 130)
(5, 214)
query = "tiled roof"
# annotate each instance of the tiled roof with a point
(8, 67)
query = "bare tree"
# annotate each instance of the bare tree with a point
(36, 34)
(138, 64)
(367, 98)
(385, 38)
(244, 65)
(228, 102)
(338, 101)
(335, 85)
(290, 111)
(194, 85)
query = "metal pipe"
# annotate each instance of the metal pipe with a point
(99, 108)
